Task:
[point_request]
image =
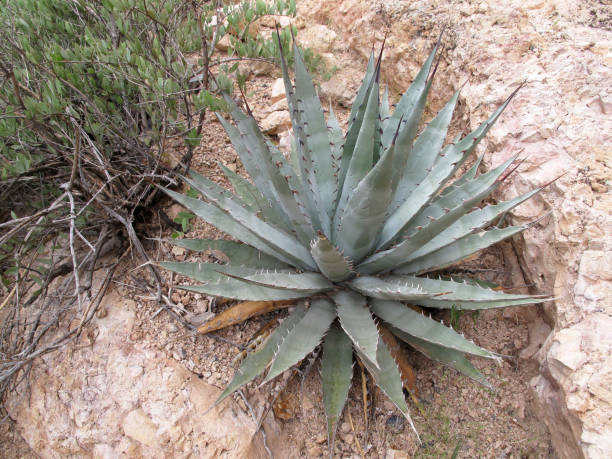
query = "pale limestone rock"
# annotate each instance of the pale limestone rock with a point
(596, 265)
(317, 37)
(271, 21)
(280, 105)
(538, 333)
(224, 44)
(285, 140)
(138, 426)
(120, 397)
(276, 122)
(278, 90)
(339, 89)
(579, 361)
(331, 62)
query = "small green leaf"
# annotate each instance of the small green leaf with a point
(193, 139)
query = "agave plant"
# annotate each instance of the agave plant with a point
(348, 227)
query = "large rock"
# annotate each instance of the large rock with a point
(114, 396)
(318, 37)
(560, 123)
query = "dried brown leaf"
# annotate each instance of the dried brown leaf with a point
(399, 355)
(241, 312)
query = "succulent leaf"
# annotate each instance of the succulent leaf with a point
(275, 237)
(425, 151)
(303, 337)
(303, 161)
(366, 209)
(381, 288)
(424, 192)
(433, 220)
(477, 305)
(356, 121)
(256, 201)
(446, 289)
(300, 282)
(256, 363)
(253, 168)
(464, 227)
(357, 322)
(336, 374)
(330, 261)
(336, 139)
(218, 283)
(388, 378)
(470, 191)
(445, 356)
(385, 111)
(227, 224)
(278, 188)
(362, 156)
(405, 319)
(411, 101)
(237, 254)
(316, 138)
(458, 250)
(468, 175)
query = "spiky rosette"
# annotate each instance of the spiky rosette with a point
(348, 226)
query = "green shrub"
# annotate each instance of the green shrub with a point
(112, 82)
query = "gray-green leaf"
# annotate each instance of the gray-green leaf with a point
(303, 337)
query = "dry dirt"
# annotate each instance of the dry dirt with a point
(491, 424)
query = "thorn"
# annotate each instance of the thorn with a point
(553, 180)
(397, 130)
(435, 69)
(380, 59)
(509, 173)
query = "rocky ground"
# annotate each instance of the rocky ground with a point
(134, 387)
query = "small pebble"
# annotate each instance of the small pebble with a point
(598, 187)
(348, 439)
(345, 427)
(395, 424)
(315, 451)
